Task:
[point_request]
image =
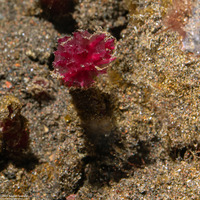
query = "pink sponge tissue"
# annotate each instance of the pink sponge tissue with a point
(79, 59)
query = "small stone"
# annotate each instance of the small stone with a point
(46, 129)
(67, 118)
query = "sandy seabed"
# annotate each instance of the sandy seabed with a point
(133, 135)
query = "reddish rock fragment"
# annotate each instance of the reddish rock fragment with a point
(14, 132)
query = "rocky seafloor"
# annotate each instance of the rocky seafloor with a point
(134, 135)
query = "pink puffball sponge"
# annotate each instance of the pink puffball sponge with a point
(81, 58)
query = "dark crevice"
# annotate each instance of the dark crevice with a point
(116, 31)
(81, 181)
(59, 13)
(140, 158)
(50, 61)
(186, 153)
(141, 155)
(26, 160)
(98, 172)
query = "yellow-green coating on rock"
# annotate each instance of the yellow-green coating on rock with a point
(8, 103)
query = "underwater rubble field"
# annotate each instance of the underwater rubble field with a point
(133, 133)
